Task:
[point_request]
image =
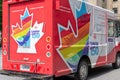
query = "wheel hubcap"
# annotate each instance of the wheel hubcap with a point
(118, 61)
(83, 71)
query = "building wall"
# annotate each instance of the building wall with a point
(92, 1)
(96, 2)
(116, 4)
(100, 3)
(108, 4)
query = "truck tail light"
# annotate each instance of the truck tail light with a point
(48, 39)
(48, 46)
(4, 40)
(4, 46)
(48, 54)
(4, 52)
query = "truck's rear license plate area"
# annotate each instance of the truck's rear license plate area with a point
(25, 67)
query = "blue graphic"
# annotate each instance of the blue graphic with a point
(82, 10)
(26, 14)
(94, 48)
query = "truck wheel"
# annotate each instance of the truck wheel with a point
(116, 65)
(49, 78)
(82, 71)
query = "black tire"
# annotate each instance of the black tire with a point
(116, 65)
(48, 78)
(82, 72)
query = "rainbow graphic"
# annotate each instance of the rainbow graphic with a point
(27, 35)
(22, 34)
(71, 47)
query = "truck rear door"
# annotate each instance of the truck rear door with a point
(26, 22)
(26, 39)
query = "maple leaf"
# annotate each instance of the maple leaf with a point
(25, 35)
(72, 42)
(22, 34)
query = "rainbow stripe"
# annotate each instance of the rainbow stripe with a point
(22, 34)
(74, 47)
(77, 44)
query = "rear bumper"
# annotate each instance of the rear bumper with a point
(25, 74)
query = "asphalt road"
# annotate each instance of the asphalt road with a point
(102, 73)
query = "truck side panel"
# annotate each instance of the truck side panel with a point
(81, 29)
(72, 34)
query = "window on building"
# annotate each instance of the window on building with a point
(115, 0)
(115, 10)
